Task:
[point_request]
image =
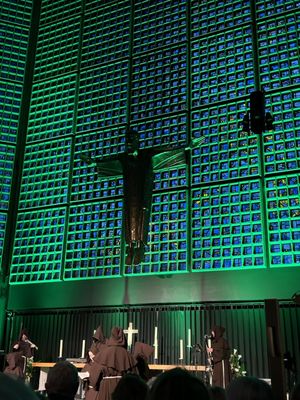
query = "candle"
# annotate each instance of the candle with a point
(181, 349)
(189, 338)
(60, 348)
(209, 342)
(155, 344)
(83, 349)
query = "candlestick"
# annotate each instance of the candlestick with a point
(155, 344)
(83, 349)
(60, 348)
(181, 349)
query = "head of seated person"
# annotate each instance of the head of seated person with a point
(178, 384)
(62, 381)
(249, 388)
(130, 387)
(14, 389)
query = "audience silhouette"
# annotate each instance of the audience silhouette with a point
(249, 388)
(178, 384)
(62, 381)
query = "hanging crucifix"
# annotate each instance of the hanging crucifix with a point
(137, 166)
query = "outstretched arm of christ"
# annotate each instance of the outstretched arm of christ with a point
(136, 166)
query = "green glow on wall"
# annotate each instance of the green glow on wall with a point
(174, 71)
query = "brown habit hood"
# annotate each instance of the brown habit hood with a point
(219, 331)
(117, 338)
(98, 335)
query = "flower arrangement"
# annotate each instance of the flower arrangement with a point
(236, 365)
(28, 369)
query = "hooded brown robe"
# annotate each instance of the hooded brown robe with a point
(221, 355)
(99, 343)
(16, 358)
(141, 353)
(110, 365)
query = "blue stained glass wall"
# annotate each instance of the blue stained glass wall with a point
(15, 17)
(180, 73)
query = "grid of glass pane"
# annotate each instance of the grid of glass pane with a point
(166, 251)
(210, 16)
(3, 218)
(106, 33)
(45, 174)
(180, 74)
(278, 48)
(163, 131)
(94, 240)
(57, 48)
(88, 181)
(38, 246)
(283, 207)
(159, 23)
(52, 109)
(7, 154)
(227, 151)
(270, 8)
(14, 41)
(222, 66)
(16, 12)
(10, 102)
(103, 96)
(159, 83)
(282, 146)
(227, 227)
(52, 11)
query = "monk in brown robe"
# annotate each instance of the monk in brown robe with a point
(141, 354)
(21, 349)
(110, 365)
(220, 353)
(99, 343)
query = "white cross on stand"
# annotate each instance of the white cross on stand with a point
(130, 331)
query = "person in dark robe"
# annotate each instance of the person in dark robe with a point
(141, 354)
(22, 349)
(98, 344)
(220, 351)
(109, 366)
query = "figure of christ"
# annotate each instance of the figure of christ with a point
(137, 168)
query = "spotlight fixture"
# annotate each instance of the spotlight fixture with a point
(257, 120)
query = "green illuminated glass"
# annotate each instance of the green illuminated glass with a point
(3, 218)
(227, 228)
(10, 102)
(106, 32)
(226, 152)
(52, 109)
(45, 174)
(283, 205)
(166, 251)
(94, 240)
(178, 72)
(6, 166)
(57, 48)
(38, 247)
